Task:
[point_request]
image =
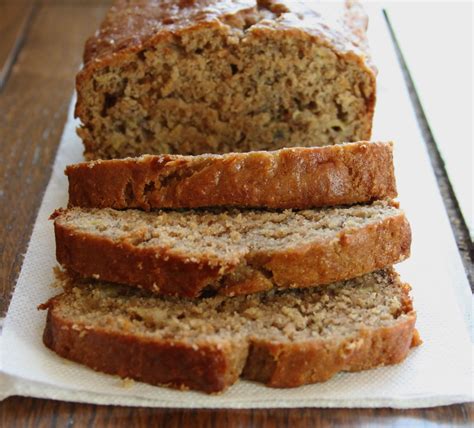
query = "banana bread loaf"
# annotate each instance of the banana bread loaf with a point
(235, 251)
(287, 178)
(215, 76)
(283, 339)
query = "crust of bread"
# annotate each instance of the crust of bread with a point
(354, 252)
(209, 367)
(288, 178)
(129, 30)
(212, 367)
(284, 365)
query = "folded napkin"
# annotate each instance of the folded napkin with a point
(437, 373)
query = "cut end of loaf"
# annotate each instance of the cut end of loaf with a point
(231, 84)
(347, 326)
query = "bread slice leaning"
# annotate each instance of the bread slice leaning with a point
(288, 178)
(280, 338)
(233, 251)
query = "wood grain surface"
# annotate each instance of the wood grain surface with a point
(27, 412)
(33, 109)
(14, 19)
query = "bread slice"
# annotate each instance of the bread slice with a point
(232, 251)
(287, 178)
(219, 76)
(280, 338)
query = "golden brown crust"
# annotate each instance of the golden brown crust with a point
(212, 367)
(354, 252)
(97, 257)
(289, 365)
(131, 28)
(287, 178)
(209, 367)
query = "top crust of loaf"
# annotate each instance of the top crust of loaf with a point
(131, 26)
(288, 178)
(208, 76)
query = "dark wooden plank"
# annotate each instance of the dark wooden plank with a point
(33, 108)
(28, 412)
(14, 18)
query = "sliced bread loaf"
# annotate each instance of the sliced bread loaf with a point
(287, 178)
(280, 338)
(215, 76)
(235, 251)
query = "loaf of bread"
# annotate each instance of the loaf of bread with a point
(287, 178)
(283, 339)
(234, 252)
(217, 76)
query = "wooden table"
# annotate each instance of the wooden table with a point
(40, 42)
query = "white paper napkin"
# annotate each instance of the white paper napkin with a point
(437, 373)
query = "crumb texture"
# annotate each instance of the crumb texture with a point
(233, 251)
(210, 76)
(338, 309)
(222, 233)
(263, 331)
